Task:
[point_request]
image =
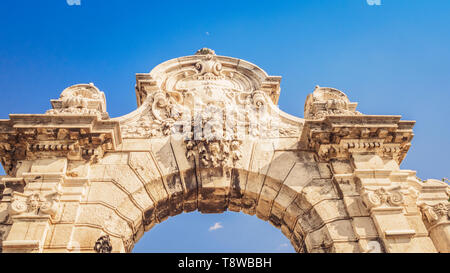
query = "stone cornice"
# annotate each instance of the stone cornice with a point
(78, 137)
(339, 136)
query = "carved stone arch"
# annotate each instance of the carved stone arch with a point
(207, 135)
(296, 197)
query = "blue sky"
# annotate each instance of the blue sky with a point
(392, 59)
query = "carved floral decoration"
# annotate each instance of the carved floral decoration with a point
(208, 68)
(383, 197)
(216, 153)
(437, 212)
(35, 204)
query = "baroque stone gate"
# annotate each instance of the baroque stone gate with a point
(207, 136)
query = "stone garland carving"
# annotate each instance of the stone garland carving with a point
(436, 213)
(217, 144)
(216, 153)
(103, 244)
(35, 204)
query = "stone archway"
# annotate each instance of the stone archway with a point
(207, 136)
(304, 209)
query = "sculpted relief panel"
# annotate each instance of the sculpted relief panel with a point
(214, 93)
(84, 99)
(208, 135)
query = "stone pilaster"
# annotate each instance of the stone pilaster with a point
(47, 158)
(33, 210)
(434, 205)
(364, 153)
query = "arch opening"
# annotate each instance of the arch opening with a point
(221, 232)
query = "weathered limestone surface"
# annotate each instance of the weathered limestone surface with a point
(207, 136)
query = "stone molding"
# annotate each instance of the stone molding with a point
(29, 137)
(341, 136)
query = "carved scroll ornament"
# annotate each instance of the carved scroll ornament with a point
(436, 213)
(35, 204)
(383, 197)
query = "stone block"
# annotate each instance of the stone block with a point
(331, 210)
(367, 161)
(114, 158)
(318, 190)
(300, 175)
(346, 247)
(61, 235)
(364, 228)
(49, 166)
(355, 206)
(293, 212)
